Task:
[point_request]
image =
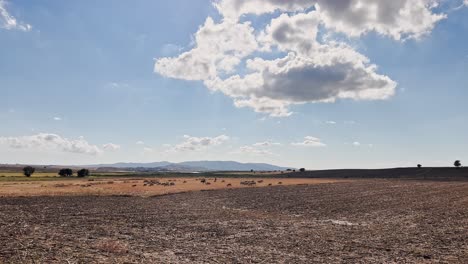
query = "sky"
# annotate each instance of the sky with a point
(301, 83)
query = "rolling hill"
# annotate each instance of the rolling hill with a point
(194, 166)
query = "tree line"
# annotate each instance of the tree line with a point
(28, 171)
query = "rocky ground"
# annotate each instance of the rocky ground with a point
(364, 221)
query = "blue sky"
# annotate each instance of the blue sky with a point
(106, 81)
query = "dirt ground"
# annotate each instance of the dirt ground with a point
(139, 187)
(366, 221)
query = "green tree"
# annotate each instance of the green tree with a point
(28, 171)
(65, 172)
(457, 164)
(82, 173)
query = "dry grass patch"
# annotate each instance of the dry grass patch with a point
(141, 187)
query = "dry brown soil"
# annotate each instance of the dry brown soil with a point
(365, 221)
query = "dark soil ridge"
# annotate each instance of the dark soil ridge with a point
(399, 173)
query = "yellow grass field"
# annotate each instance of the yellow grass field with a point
(139, 187)
(35, 175)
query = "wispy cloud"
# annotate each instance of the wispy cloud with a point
(462, 5)
(111, 147)
(9, 22)
(147, 150)
(310, 141)
(266, 144)
(259, 148)
(254, 150)
(170, 49)
(359, 144)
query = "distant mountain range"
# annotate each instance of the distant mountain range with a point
(193, 166)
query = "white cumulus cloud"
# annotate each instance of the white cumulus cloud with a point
(285, 63)
(310, 141)
(9, 22)
(218, 49)
(191, 143)
(397, 18)
(45, 141)
(233, 9)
